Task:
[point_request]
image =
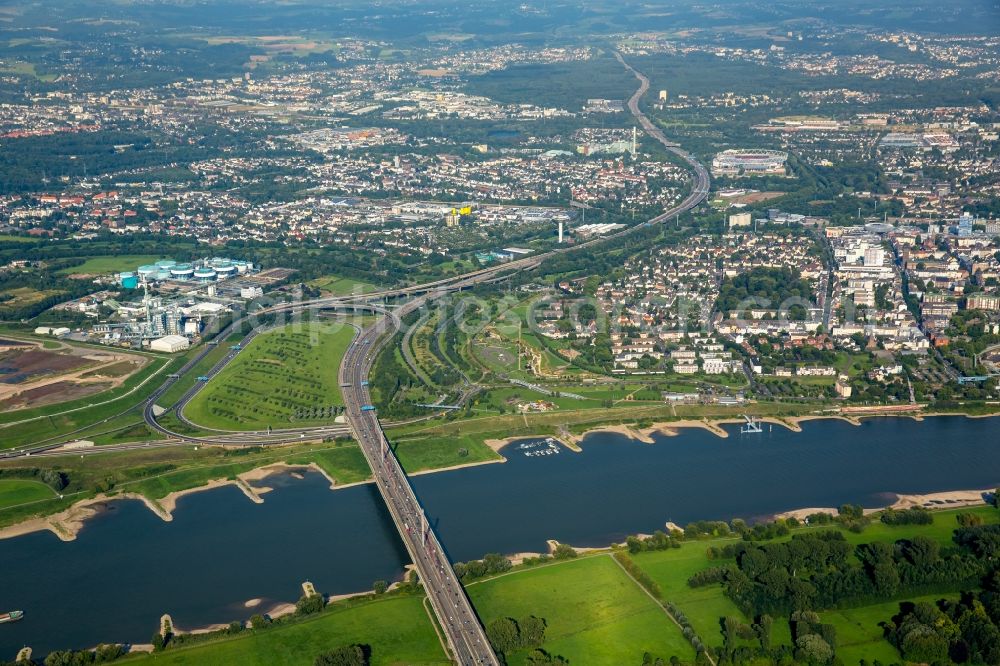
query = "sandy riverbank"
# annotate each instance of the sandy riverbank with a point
(276, 610)
(581, 550)
(945, 500)
(631, 432)
(714, 426)
(950, 499)
(67, 523)
(451, 468)
(261, 473)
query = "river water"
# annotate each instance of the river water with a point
(127, 567)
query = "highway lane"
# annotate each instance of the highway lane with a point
(465, 633)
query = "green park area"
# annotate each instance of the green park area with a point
(396, 629)
(594, 613)
(283, 377)
(342, 286)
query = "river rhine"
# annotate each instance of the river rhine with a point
(127, 567)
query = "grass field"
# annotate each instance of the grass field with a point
(940, 530)
(113, 263)
(422, 453)
(283, 377)
(9, 238)
(342, 286)
(345, 463)
(595, 613)
(702, 606)
(397, 629)
(859, 635)
(17, 491)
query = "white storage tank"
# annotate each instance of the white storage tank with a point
(224, 269)
(182, 272)
(204, 274)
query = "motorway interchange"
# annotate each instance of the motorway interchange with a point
(465, 634)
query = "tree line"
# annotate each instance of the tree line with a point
(814, 571)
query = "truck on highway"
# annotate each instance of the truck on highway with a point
(202, 378)
(368, 408)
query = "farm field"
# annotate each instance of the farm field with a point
(27, 69)
(595, 613)
(283, 377)
(397, 629)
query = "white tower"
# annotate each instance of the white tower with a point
(560, 232)
(633, 141)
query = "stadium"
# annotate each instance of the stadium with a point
(738, 162)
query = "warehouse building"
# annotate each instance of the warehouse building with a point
(170, 344)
